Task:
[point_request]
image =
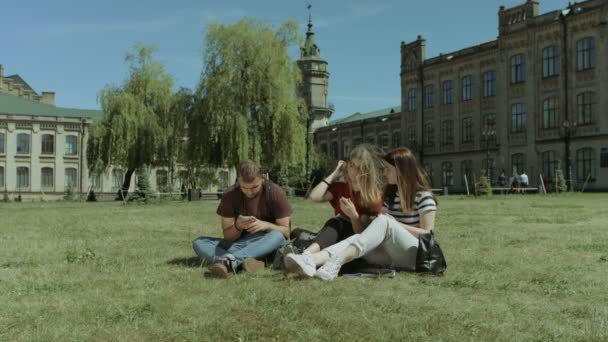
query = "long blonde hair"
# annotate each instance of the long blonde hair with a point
(410, 177)
(366, 163)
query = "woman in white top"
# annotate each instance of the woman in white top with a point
(391, 240)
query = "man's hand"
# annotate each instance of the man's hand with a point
(242, 222)
(257, 226)
(348, 208)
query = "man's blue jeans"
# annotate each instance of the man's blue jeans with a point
(248, 246)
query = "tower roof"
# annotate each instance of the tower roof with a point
(310, 51)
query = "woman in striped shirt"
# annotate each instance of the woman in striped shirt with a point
(391, 240)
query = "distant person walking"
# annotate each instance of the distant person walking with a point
(523, 180)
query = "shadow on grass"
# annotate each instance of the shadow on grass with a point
(193, 262)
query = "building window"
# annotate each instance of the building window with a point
(411, 135)
(23, 143)
(428, 168)
(551, 113)
(396, 139)
(466, 168)
(467, 88)
(333, 150)
(357, 142)
(429, 96)
(1, 176)
(411, 100)
(48, 144)
(518, 117)
(585, 53)
(95, 181)
(467, 130)
(47, 177)
(489, 83)
(487, 165)
(2, 144)
(447, 133)
(550, 61)
(518, 163)
(447, 92)
(585, 164)
(345, 149)
(370, 140)
(550, 163)
(71, 177)
(488, 128)
(324, 148)
(162, 181)
(604, 158)
(429, 134)
(71, 145)
(447, 174)
(518, 68)
(23, 177)
(585, 108)
(118, 177)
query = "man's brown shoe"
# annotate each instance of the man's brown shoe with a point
(252, 265)
(218, 270)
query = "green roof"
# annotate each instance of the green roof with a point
(362, 116)
(14, 105)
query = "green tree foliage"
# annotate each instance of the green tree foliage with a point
(483, 186)
(131, 129)
(143, 190)
(247, 105)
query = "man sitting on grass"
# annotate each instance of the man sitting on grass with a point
(255, 217)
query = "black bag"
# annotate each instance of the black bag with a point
(429, 258)
(300, 239)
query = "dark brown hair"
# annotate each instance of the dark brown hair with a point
(249, 170)
(410, 177)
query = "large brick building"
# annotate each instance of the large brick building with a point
(528, 101)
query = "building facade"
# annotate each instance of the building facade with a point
(43, 148)
(529, 101)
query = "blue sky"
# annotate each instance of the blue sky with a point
(75, 48)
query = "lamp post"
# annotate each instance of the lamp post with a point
(569, 129)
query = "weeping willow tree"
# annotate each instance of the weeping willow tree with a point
(247, 105)
(130, 131)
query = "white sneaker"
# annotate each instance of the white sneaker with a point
(301, 264)
(330, 270)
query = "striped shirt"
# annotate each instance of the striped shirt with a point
(424, 202)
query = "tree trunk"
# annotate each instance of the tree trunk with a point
(124, 191)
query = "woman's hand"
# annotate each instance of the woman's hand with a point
(348, 208)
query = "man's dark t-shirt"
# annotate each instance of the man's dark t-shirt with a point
(255, 206)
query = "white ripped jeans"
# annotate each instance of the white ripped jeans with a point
(385, 242)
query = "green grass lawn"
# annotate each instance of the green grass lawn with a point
(520, 268)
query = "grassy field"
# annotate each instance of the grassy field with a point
(520, 268)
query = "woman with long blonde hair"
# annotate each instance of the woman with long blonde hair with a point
(355, 200)
(390, 240)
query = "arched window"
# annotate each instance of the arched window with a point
(1, 176)
(2, 143)
(585, 53)
(71, 145)
(47, 179)
(585, 108)
(550, 163)
(23, 177)
(551, 113)
(585, 164)
(518, 68)
(118, 177)
(489, 83)
(411, 100)
(447, 173)
(71, 178)
(467, 88)
(550, 61)
(48, 144)
(518, 163)
(23, 143)
(447, 133)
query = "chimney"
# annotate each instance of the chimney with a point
(48, 97)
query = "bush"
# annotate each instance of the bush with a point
(68, 195)
(483, 187)
(560, 181)
(143, 190)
